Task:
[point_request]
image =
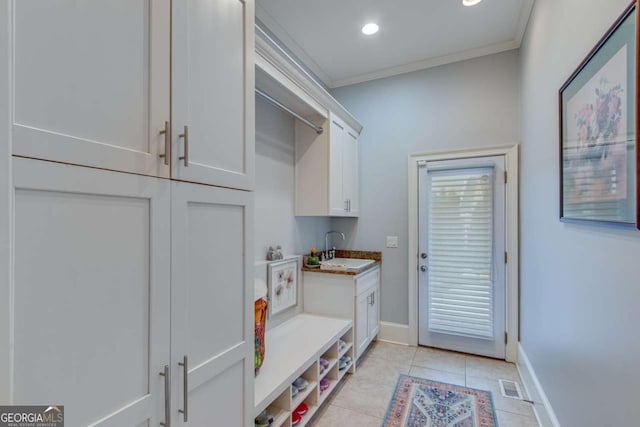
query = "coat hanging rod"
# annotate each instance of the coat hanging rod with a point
(278, 104)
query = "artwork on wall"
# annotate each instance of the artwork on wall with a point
(283, 285)
(598, 119)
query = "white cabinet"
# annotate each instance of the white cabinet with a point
(152, 87)
(210, 306)
(91, 301)
(368, 312)
(327, 182)
(347, 296)
(213, 92)
(91, 82)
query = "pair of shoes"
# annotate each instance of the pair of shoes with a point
(295, 419)
(300, 383)
(324, 385)
(341, 345)
(294, 390)
(344, 362)
(324, 364)
(296, 416)
(301, 409)
(265, 419)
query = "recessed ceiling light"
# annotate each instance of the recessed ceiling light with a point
(370, 29)
(470, 2)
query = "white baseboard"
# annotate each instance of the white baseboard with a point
(542, 407)
(395, 333)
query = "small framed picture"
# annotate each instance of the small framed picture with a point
(283, 285)
(598, 119)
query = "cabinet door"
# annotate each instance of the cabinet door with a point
(91, 82)
(92, 287)
(350, 172)
(212, 305)
(362, 322)
(337, 202)
(213, 92)
(374, 313)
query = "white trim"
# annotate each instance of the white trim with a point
(542, 407)
(511, 154)
(275, 55)
(523, 22)
(427, 63)
(395, 333)
(6, 209)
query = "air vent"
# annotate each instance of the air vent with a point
(510, 389)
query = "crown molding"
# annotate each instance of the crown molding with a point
(277, 57)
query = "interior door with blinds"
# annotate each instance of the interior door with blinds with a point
(461, 257)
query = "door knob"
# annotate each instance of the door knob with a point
(423, 268)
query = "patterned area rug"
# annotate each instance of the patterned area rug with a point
(418, 402)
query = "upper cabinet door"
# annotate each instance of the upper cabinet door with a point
(350, 172)
(91, 82)
(213, 92)
(337, 201)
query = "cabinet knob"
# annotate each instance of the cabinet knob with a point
(423, 268)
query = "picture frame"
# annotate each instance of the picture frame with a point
(599, 117)
(283, 277)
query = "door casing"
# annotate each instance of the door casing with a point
(511, 155)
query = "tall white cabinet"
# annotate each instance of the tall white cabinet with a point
(129, 264)
(211, 259)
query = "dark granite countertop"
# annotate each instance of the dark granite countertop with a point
(377, 256)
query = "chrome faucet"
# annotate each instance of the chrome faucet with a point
(331, 254)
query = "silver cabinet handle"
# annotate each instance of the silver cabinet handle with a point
(167, 397)
(185, 136)
(185, 390)
(349, 204)
(167, 143)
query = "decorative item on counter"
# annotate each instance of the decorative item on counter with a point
(312, 260)
(274, 254)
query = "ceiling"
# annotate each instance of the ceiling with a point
(414, 34)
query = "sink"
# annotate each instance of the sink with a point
(345, 264)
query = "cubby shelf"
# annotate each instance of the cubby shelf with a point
(294, 349)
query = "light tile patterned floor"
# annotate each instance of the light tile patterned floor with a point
(363, 398)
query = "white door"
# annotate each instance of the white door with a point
(374, 313)
(462, 255)
(92, 287)
(337, 202)
(213, 92)
(350, 172)
(211, 305)
(91, 82)
(362, 322)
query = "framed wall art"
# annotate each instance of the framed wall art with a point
(283, 285)
(598, 123)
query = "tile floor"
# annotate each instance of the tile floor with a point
(363, 398)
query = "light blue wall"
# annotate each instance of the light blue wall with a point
(580, 284)
(467, 104)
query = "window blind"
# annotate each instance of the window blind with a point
(460, 252)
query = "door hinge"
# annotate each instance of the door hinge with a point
(506, 338)
(505, 177)
(506, 258)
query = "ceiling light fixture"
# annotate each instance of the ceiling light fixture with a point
(470, 2)
(370, 29)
